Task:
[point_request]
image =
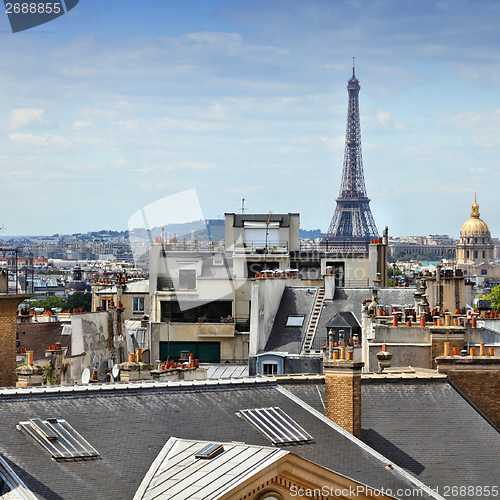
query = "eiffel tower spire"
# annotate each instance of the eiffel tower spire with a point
(352, 221)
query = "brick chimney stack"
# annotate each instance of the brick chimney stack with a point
(8, 320)
(343, 394)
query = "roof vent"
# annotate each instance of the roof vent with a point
(210, 451)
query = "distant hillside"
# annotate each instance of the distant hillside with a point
(311, 234)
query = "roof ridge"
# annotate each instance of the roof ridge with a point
(110, 388)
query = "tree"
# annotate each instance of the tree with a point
(77, 300)
(494, 296)
(80, 300)
(390, 270)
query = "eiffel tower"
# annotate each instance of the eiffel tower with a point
(352, 222)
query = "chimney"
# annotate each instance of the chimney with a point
(477, 378)
(134, 368)
(28, 374)
(8, 327)
(343, 394)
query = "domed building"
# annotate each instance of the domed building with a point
(475, 245)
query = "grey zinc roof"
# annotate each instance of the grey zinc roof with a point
(350, 300)
(178, 474)
(295, 301)
(429, 429)
(129, 424)
(426, 427)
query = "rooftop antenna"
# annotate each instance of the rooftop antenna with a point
(2, 228)
(353, 66)
(267, 234)
(242, 205)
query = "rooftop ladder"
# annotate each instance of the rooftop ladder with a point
(313, 323)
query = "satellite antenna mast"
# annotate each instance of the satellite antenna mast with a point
(242, 205)
(267, 234)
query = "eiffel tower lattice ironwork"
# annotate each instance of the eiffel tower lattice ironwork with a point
(352, 222)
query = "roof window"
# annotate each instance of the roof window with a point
(277, 426)
(59, 439)
(295, 321)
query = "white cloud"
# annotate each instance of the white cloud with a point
(22, 117)
(118, 162)
(81, 168)
(128, 125)
(334, 142)
(384, 119)
(79, 125)
(482, 129)
(40, 140)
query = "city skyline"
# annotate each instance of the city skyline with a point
(112, 107)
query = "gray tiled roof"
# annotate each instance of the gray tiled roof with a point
(350, 299)
(426, 427)
(295, 301)
(129, 427)
(429, 429)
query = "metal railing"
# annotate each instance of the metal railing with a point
(195, 246)
(332, 247)
(261, 247)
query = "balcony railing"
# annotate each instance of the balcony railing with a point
(260, 247)
(195, 246)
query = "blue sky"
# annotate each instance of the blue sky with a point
(120, 103)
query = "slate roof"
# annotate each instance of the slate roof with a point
(295, 301)
(350, 299)
(37, 337)
(129, 424)
(300, 300)
(425, 426)
(429, 429)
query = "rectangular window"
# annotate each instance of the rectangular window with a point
(475, 254)
(187, 279)
(484, 254)
(277, 426)
(269, 368)
(58, 438)
(295, 321)
(138, 305)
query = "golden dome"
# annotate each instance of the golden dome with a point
(475, 226)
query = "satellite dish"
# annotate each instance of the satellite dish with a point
(86, 376)
(115, 372)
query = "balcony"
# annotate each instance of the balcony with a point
(260, 247)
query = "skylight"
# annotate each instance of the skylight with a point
(58, 438)
(295, 321)
(277, 426)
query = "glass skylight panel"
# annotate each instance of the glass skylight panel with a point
(277, 426)
(210, 451)
(59, 439)
(295, 321)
